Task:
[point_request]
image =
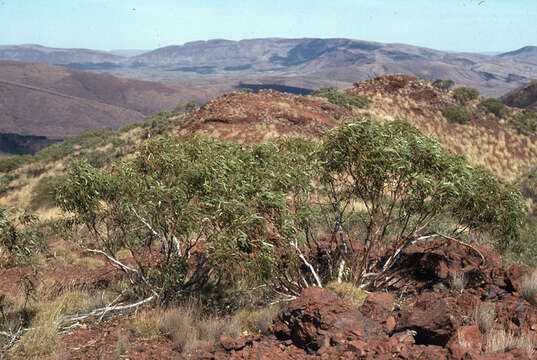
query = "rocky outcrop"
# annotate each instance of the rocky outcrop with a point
(421, 315)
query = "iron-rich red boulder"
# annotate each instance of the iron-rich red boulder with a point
(319, 319)
(515, 276)
(379, 306)
(433, 318)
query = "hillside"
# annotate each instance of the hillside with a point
(524, 97)
(504, 145)
(57, 102)
(159, 217)
(47, 55)
(307, 62)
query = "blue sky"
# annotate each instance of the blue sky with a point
(465, 25)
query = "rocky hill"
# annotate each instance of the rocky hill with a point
(440, 298)
(524, 97)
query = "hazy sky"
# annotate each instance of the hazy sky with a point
(465, 25)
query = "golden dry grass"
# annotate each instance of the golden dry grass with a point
(529, 286)
(39, 341)
(351, 294)
(502, 340)
(185, 326)
(484, 315)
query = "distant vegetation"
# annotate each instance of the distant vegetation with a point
(456, 114)
(341, 98)
(495, 106)
(443, 84)
(465, 94)
(525, 122)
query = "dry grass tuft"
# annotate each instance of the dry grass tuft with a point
(459, 281)
(484, 315)
(501, 340)
(147, 325)
(185, 327)
(256, 320)
(529, 286)
(38, 342)
(348, 292)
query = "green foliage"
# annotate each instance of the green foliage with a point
(213, 214)
(189, 106)
(465, 94)
(5, 181)
(245, 90)
(494, 106)
(443, 84)
(22, 241)
(406, 181)
(96, 158)
(341, 98)
(525, 122)
(235, 198)
(11, 163)
(131, 126)
(456, 114)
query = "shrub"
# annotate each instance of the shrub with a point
(224, 214)
(21, 244)
(5, 181)
(189, 106)
(240, 191)
(456, 114)
(11, 163)
(525, 122)
(443, 84)
(465, 94)
(341, 98)
(406, 181)
(494, 106)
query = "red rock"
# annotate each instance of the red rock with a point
(515, 276)
(434, 320)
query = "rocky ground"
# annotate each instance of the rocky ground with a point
(444, 300)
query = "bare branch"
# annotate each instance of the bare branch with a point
(313, 272)
(113, 260)
(101, 311)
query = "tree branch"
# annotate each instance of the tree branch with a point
(314, 273)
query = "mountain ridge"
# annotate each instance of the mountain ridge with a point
(336, 61)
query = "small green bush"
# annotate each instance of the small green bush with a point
(11, 163)
(525, 122)
(131, 126)
(456, 114)
(189, 106)
(443, 84)
(494, 106)
(465, 94)
(341, 98)
(22, 242)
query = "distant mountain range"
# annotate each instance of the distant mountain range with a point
(306, 63)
